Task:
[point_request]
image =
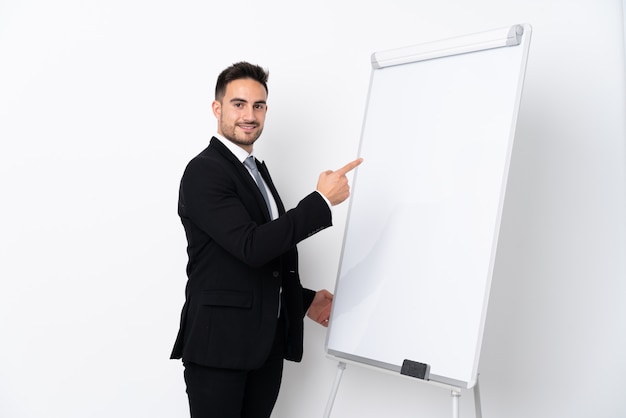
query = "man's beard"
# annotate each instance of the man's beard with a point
(232, 136)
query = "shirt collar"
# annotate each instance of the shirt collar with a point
(239, 152)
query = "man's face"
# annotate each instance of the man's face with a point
(241, 113)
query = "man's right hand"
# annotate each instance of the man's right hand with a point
(334, 184)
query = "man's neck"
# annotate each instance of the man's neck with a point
(240, 152)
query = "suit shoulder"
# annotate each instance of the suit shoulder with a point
(212, 168)
(208, 158)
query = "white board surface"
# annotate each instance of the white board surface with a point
(420, 241)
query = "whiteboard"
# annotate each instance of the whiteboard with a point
(422, 229)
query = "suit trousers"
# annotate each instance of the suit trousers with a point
(226, 393)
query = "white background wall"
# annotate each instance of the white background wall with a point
(102, 103)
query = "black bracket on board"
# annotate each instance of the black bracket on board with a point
(415, 369)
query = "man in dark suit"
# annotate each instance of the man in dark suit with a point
(244, 306)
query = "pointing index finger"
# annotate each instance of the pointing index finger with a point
(350, 166)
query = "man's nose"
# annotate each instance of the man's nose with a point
(248, 114)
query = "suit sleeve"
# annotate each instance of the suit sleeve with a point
(307, 298)
(218, 200)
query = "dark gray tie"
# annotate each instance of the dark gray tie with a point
(251, 164)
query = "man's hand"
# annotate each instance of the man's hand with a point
(319, 311)
(334, 184)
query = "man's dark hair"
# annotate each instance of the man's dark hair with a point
(239, 71)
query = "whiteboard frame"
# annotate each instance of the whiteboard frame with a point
(517, 36)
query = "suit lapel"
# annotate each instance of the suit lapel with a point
(245, 176)
(268, 179)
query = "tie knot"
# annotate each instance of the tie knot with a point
(250, 163)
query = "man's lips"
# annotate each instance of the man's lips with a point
(247, 126)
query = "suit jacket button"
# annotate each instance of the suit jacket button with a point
(275, 274)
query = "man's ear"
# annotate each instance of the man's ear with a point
(217, 108)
